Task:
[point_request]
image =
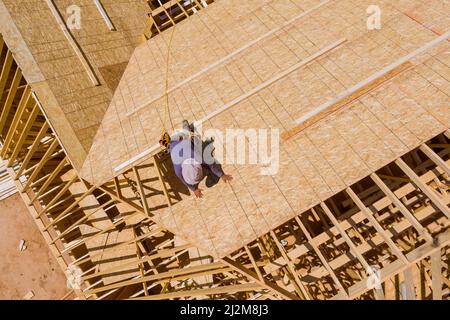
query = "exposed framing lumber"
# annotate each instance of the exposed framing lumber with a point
(50, 179)
(367, 213)
(409, 283)
(6, 68)
(10, 98)
(204, 292)
(353, 249)
(291, 266)
(141, 192)
(265, 284)
(397, 267)
(321, 257)
(401, 207)
(435, 158)
(42, 163)
(20, 113)
(23, 135)
(161, 179)
(423, 187)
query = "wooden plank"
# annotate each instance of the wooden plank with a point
(344, 99)
(424, 187)
(397, 266)
(50, 179)
(59, 195)
(142, 192)
(161, 179)
(104, 15)
(140, 265)
(65, 213)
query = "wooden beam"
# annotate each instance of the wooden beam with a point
(23, 135)
(409, 282)
(265, 284)
(6, 68)
(401, 207)
(324, 261)
(368, 214)
(353, 249)
(435, 158)
(342, 100)
(204, 292)
(51, 178)
(142, 192)
(161, 179)
(291, 266)
(10, 98)
(32, 150)
(424, 187)
(18, 118)
(396, 267)
(42, 163)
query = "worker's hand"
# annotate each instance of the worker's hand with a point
(226, 178)
(198, 193)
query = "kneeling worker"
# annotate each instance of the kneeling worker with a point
(190, 166)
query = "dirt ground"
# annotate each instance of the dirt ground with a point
(34, 269)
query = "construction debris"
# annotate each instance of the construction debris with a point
(22, 246)
(29, 296)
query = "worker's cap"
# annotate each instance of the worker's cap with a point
(192, 171)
